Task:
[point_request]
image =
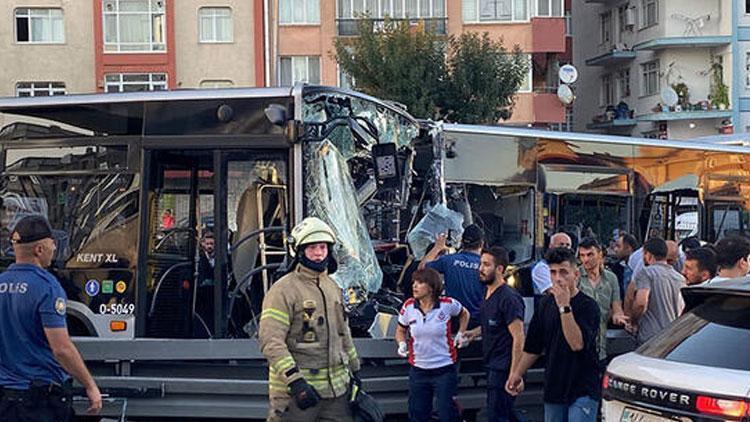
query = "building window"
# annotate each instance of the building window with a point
(495, 10)
(299, 11)
(215, 83)
(397, 9)
(747, 69)
(607, 92)
(605, 28)
(568, 24)
(132, 82)
(551, 8)
(623, 83)
(39, 89)
(650, 10)
(134, 25)
(527, 83)
(346, 81)
(295, 69)
(624, 17)
(215, 24)
(650, 78)
(40, 26)
(747, 6)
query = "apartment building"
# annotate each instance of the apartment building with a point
(635, 55)
(302, 34)
(741, 65)
(54, 47)
(62, 46)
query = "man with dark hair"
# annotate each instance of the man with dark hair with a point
(731, 258)
(656, 298)
(502, 331)
(564, 327)
(625, 245)
(689, 243)
(460, 270)
(700, 266)
(601, 285)
(37, 357)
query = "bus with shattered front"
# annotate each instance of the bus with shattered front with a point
(134, 183)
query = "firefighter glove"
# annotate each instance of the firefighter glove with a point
(304, 394)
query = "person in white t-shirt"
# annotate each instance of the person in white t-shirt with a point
(424, 336)
(731, 258)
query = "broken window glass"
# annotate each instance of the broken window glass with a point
(437, 220)
(330, 195)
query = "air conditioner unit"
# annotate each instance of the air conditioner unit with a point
(630, 17)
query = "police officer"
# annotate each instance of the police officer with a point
(305, 335)
(36, 353)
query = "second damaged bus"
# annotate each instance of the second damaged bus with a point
(523, 185)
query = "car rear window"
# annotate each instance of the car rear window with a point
(715, 333)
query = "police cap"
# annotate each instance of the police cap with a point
(472, 234)
(30, 229)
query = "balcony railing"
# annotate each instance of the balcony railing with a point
(349, 27)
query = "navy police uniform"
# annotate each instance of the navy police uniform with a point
(34, 385)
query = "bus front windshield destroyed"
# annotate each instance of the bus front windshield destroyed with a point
(341, 187)
(332, 198)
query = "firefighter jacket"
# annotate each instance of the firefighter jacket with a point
(304, 333)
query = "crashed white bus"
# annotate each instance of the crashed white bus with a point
(131, 182)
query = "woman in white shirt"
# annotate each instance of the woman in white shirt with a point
(424, 337)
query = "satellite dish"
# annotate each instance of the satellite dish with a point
(565, 94)
(669, 96)
(568, 74)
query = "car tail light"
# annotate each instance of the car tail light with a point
(605, 381)
(721, 407)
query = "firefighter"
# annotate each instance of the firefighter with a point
(304, 334)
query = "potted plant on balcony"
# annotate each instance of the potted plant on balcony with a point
(683, 93)
(719, 91)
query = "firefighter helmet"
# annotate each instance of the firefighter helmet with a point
(311, 230)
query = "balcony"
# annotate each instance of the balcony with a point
(684, 115)
(612, 58)
(613, 125)
(548, 35)
(349, 27)
(664, 43)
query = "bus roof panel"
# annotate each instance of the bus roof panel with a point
(9, 104)
(591, 137)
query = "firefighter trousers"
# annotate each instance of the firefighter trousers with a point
(284, 409)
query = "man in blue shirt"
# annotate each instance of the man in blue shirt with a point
(501, 330)
(36, 353)
(460, 270)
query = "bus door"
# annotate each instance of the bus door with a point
(179, 213)
(255, 219)
(586, 201)
(726, 218)
(672, 215)
(726, 206)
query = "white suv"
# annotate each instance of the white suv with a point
(696, 369)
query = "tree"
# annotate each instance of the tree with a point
(466, 79)
(483, 79)
(395, 63)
